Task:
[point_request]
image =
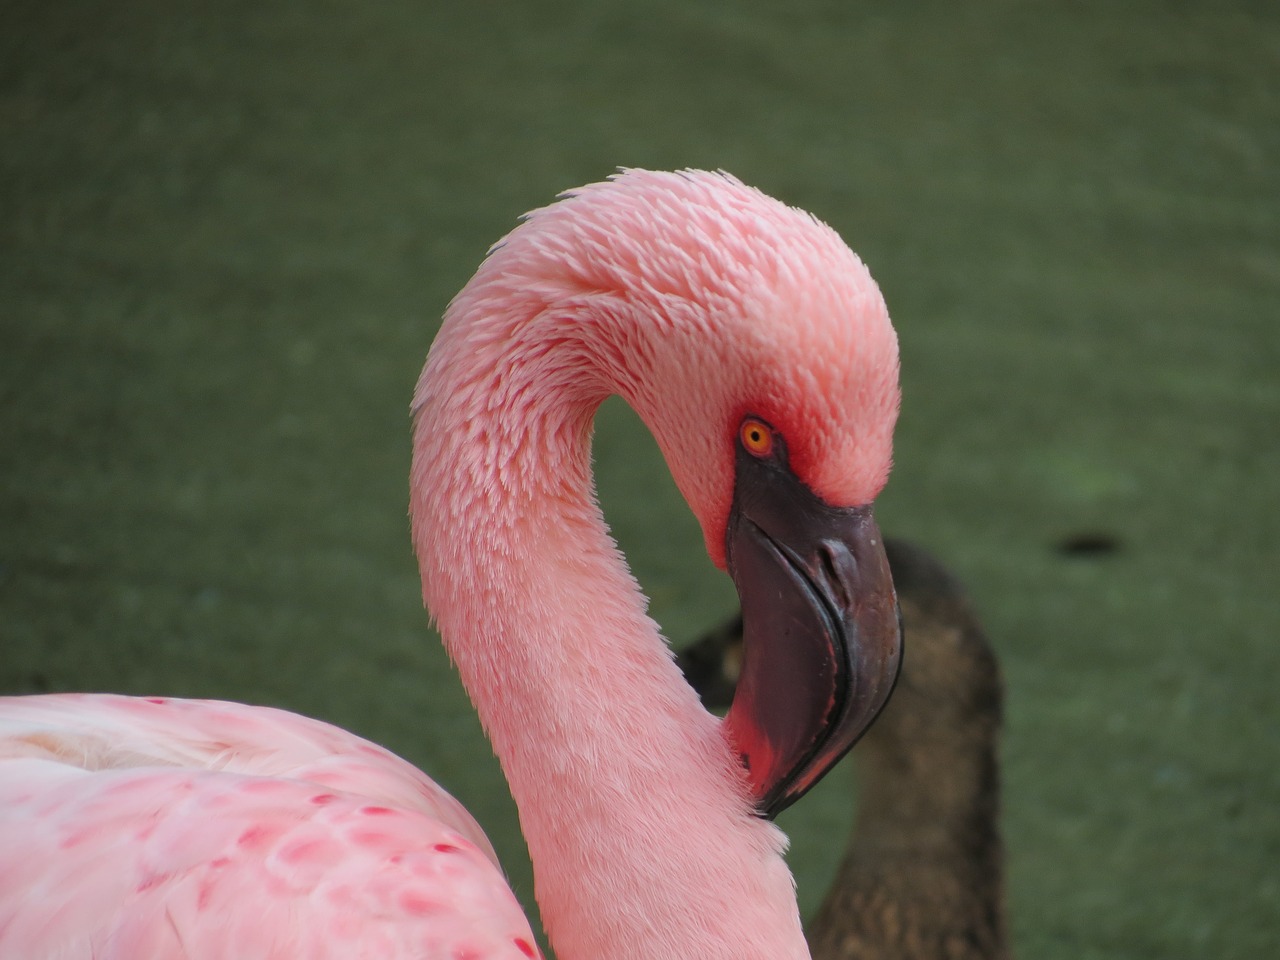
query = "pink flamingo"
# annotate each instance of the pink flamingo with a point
(757, 348)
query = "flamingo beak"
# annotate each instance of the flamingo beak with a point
(822, 634)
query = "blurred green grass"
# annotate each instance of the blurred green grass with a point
(228, 230)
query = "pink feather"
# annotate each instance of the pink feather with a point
(141, 829)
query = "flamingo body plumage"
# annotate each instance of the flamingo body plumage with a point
(133, 826)
(701, 301)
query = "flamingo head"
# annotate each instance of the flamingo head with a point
(758, 350)
(779, 433)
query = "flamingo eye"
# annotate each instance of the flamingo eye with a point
(756, 437)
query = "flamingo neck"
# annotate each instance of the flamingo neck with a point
(641, 835)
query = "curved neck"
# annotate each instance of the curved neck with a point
(929, 789)
(925, 871)
(642, 839)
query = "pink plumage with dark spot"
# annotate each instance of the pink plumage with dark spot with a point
(757, 349)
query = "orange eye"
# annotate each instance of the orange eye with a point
(756, 437)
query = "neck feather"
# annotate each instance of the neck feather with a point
(639, 828)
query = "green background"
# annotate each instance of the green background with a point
(228, 229)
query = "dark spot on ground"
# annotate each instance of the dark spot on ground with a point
(1088, 545)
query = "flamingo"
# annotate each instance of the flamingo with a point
(758, 350)
(922, 877)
